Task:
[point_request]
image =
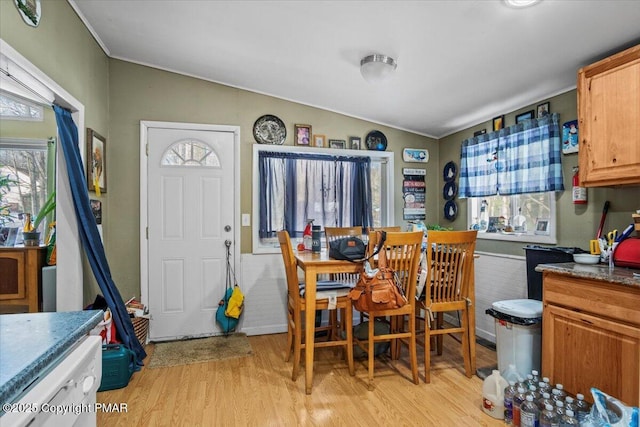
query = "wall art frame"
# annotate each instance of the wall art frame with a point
(96, 161)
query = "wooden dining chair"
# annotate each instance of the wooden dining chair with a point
(449, 265)
(371, 230)
(402, 251)
(296, 306)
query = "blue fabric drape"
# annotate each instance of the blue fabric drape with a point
(524, 158)
(333, 190)
(89, 233)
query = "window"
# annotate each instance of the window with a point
(514, 218)
(25, 163)
(381, 180)
(13, 107)
(190, 153)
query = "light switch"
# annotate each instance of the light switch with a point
(246, 220)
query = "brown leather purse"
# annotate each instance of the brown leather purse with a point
(380, 292)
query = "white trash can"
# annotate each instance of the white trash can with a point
(518, 334)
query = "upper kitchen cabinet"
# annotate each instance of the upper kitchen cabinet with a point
(609, 115)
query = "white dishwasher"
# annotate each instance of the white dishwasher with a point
(66, 395)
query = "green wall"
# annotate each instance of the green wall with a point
(62, 48)
(576, 223)
(142, 93)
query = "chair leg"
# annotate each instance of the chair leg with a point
(427, 352)
(348, 325)
(413, 354)
(290, 332)
(370, 352)
(333, 333)
(297, 343)
(466, 343)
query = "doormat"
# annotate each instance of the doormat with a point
(200, 350)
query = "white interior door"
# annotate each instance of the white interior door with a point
(190, 214)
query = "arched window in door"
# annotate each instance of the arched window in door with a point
(190, 152)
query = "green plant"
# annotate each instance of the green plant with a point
(5, 187)
(436, 227)
(48, 207)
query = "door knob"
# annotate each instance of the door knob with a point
(227, 228)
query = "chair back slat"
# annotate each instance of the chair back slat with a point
(449, 265)
(290, 267)
(402, 253)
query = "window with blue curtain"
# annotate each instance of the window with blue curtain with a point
(334, 191)
(524, 158)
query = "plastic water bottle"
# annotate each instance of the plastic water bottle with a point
(509, 392)
(559, 408)
(569, 404)
(518, 398)
(529, 381)
(529, 413)
(568, 419)
(545, 400)
(533, 391)
(548, 417)
(582, 407)
(493, 395)
(561, 391)
(556, 395)
(536, 377)
(544, 387)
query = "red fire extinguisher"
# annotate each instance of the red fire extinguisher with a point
(579, 193)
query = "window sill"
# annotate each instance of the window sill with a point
(528, 238)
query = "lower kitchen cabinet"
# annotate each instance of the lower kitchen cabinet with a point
(21, 279)
(591, 336)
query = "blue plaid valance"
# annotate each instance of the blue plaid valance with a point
(524, 158)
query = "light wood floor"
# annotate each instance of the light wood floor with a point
(258, 391)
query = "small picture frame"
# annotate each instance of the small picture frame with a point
(319, 140)
(479, 132)
(355, 142)
(498, 123)
(302, 134)
(524, 116)
(96, 161)
(542, 227)
(8, 236)
(337, 143)
(543, 109)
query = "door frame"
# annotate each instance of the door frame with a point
(145, 125)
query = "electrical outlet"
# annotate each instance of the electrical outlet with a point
(246, 220)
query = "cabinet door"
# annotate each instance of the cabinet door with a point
(609, 114)
(12, 277)
(581, 351)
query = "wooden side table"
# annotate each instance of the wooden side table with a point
(21, 278)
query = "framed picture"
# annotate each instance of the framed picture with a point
(570, 137)
(302, 134)
(524, 116)
(480, 132)
(355, 142)
(337, 143)
(498, 123)
(543, 109)
(542, 226)
(8, 236)
(319, 140)
(96, 161)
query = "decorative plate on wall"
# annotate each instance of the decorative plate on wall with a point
(450, 171)
(450, 190)
(376, 140)
(269, 129)
(450, 210)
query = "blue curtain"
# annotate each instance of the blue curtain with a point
(334, 191)
(89, 233)
(524, 158)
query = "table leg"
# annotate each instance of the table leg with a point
(310, 279)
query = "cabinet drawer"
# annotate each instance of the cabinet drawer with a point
(616, 302)
(12, 278)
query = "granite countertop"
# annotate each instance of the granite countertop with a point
(616, 275)
(31, 342)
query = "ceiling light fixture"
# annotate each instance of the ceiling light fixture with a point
(375, 68)
(521, 3)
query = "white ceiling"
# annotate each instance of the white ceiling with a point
(460, 63)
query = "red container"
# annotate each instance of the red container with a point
(627, 253)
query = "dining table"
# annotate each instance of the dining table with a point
(313, 264)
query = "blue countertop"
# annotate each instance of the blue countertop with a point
(30, 343)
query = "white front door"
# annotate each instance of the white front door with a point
(190, 215)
